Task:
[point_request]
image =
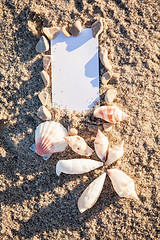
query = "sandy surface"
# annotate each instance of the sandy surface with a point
(35, 204)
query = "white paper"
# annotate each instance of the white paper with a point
(75, 71)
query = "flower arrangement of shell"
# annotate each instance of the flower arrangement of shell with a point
(51, 136)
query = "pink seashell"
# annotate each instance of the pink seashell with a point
(122, 184)
(110, 114)
(49, 138)
(101, 145)
(79, 145)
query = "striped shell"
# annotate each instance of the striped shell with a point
(110, 114)
(49, 138)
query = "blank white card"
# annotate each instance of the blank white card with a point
(75, 71)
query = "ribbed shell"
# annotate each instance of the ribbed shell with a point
(49, 138)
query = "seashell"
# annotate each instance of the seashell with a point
(72, 131)
(65, 31)
(97, 28)
(115, 153)
(51, 32)
(122, 184)
(79, 145)
(101, 145)
(91, 194)
(76, 166)
(49, 138)
(110, 114)
(110, 95)
(106, 77)
(76, 29)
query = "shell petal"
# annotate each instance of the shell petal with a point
(122, 184)
(79, 145)
(49, 138)
(91, 194)
(110, 114)
(101, 145)
(76, 166)
(115, 153)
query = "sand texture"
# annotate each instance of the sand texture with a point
(35, 203)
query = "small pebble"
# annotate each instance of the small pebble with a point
(104, 59)
(97, 28)
(43, 113)
(110, 95)
(93, 128)
(43, 97)
(107, 126)
(73, 131)
(76, 28)
(52, 32)
(65, 32)
(106, 77)
(46, 61)
(46, 78)
(42, 45)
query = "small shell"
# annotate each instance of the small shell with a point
(101, 145)
(91, 194)
(79, 145)
(76, 166)
(122, 184)
(110, 95)
(49, 138)
(110, 114)
(115, 153)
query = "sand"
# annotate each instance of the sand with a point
(35, 203)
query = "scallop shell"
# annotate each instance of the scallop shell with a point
(49, 138)
(101, 145)
(115, 153)
(79, 145)
(122, 184)
(91, 194)
(76, 166)
(110, 114)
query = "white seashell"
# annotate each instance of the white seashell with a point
(115, 153)
(110, 95)
(79, 145)
(91, 194)
(110, 114)
(49, 138)
(122, 184)
(76, 166)
(101, 145)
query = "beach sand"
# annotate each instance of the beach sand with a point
(35, 203)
